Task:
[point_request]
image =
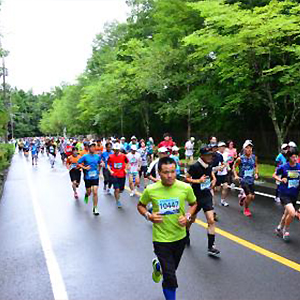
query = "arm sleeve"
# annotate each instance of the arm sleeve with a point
(150, 168)
(145, 198)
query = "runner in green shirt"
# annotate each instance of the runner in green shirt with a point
(168, 197)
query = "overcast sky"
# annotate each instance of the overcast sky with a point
(50, 40)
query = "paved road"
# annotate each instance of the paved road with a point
(109, 257)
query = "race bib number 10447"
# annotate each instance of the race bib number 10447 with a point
(169, 206)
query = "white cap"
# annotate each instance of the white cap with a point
(292, 144)
(192, 138)
(221, 144)
(175, 148)
(247, 143)
(151, 139)
(133, 147)
(162, 150)
(283, 146)
(133, 137)
(122, 138)
(117, 146)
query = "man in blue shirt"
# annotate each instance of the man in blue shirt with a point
(280, 160)
(106, 174)
(90, 164)
(288, 175)
(34, 153)
(125, 148)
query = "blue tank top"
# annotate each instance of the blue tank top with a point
(247, 169)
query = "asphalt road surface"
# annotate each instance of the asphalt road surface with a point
(52, 247)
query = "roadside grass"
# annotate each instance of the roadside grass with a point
(266, 170)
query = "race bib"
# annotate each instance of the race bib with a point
(294, 183)
(92, 174)
(168, 206)
(248, 173)
(293, 174)
(205, 185)
(118, 165)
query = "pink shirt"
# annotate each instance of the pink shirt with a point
(231, 155)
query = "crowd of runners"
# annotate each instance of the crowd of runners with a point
(167, 182)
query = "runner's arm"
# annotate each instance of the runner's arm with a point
(235, 165)
(189, 179)
(214, 179)
(256, 167)
(154, 217)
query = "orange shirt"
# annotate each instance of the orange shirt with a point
(73, 161)
(99, 149)
(83, 152)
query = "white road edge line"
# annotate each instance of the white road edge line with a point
(57, 283)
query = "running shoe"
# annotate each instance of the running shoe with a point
(277, 199)
(86, 199)
(156, 274)
(242, 198)
(224, 203)
(119, 205)
(95, 211)
(278, 232)
(247, 212)
(286, 236)
(131, 194)
(213, 251)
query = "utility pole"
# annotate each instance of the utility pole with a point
(3, 73)
(11, 117)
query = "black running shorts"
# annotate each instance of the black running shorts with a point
(287, 200)
(119, 183)
(91, 182)
(205, 202)
(75, 175)
(248, 188)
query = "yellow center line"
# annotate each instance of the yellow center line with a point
(255, 248)
(282, 260)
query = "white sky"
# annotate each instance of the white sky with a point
(50, 40)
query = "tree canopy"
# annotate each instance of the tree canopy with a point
(189, 67)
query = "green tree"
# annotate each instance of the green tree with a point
(256, 57)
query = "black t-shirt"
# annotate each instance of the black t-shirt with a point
(51, 149)
(197, 171)
(217, 159)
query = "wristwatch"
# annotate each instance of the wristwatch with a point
(147, 215)
(188, 216)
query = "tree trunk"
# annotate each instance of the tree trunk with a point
(122, 120)
(189, 126)
(272, 112)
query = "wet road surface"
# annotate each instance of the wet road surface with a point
(109, 257)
